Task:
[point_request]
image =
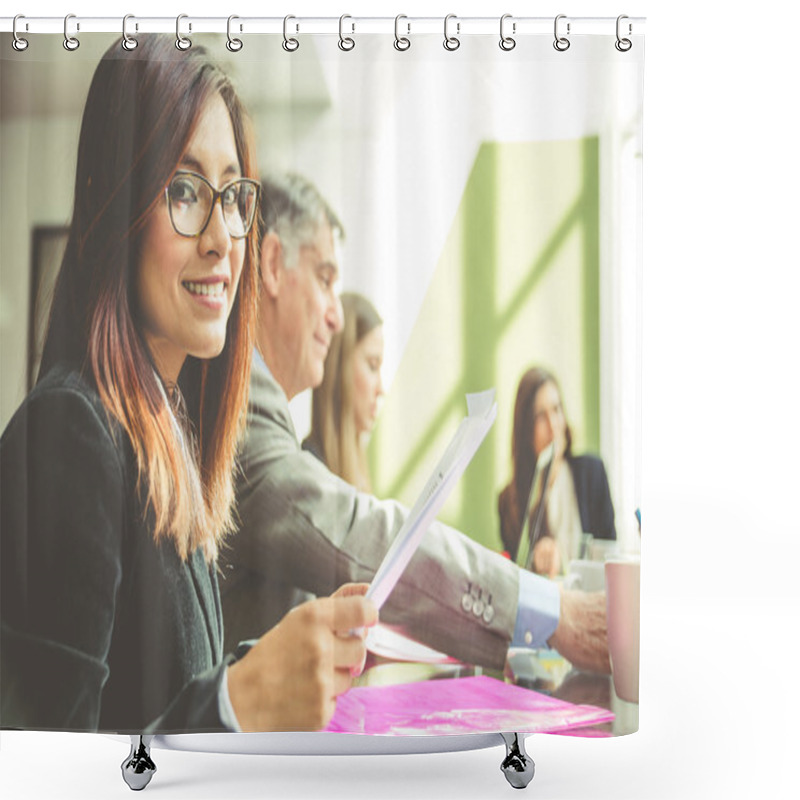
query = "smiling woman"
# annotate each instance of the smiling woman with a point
(187, 283)
(116, 471)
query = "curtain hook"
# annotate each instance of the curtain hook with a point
(234, 45)
(561, 43)
(507, 42)
(18, 43)
(181, 41)
(128, 42)
(346, 43)
(70, 42)
(289, 44)
(401, 42)
(623, 45)
(451, 42)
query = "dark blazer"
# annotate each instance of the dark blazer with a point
(594, 503)
(102, 628)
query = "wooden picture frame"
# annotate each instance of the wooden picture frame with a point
(47, 251)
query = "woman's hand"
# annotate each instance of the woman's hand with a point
(546, 558)
(290, 679)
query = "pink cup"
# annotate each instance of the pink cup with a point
(622, 613)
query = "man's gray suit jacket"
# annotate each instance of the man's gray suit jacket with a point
(303, 529)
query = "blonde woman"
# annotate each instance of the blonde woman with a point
(345, 404)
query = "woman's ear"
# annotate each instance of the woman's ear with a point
(271, 264)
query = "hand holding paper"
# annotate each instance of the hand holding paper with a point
(482, 410)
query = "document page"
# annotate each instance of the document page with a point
(481, 413)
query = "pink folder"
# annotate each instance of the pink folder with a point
(456, 706)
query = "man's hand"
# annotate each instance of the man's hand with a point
(581, 633)
(291, 677)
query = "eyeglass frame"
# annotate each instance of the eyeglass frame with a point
(216, 195)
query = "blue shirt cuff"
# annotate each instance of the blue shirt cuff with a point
(538, 610)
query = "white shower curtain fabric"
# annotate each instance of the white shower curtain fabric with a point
(490, 206)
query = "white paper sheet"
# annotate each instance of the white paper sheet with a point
(482, 411)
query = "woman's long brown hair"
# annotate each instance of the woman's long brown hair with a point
(333, 422)
(140, 113)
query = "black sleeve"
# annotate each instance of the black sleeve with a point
(62, 502)
(599, 498)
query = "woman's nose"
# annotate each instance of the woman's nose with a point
(216, 238)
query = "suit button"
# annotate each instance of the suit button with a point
(477, 608)
(466, 603)
(488, 614)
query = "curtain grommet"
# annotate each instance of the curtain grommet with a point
(507, 43)
(128, 42)
(401, 43)
(71, 43)
(346, 43)
(18, 43)
(451, 43)
(182, 42)
(561, 43)
(623, 44)
(289, 44)
(233, 44)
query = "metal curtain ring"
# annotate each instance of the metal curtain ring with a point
(233, 44)
(70, 42)
(346, 43)
(561, 43)
(451, 42)
(18, 43)
(401, 42)
(128, 42)
(181, 41)
(623, 45)
(289, 44)
(506, 42)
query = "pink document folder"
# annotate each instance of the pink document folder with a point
(456, 706)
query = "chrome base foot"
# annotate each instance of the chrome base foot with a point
(138, 768)
(517, 766)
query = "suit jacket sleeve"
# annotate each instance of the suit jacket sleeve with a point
(319, 532)
(63, 528)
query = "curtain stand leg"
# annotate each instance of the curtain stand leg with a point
(517, 766)
(138, 768)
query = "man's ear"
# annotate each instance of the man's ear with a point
(271, 264)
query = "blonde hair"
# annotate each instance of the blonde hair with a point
(333, 421)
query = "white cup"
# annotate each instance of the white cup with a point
(622, 614)
(588, 576)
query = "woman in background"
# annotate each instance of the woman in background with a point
(578, 499)
(345, 404)
(116, 471)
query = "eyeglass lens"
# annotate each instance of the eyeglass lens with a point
(191, 199)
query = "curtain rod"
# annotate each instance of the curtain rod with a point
(407, 25)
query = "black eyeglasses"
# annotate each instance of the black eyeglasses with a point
(191, 200)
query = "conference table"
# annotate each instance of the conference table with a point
(542, 671)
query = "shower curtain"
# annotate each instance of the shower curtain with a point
(485, 197)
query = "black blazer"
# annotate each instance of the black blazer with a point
(594, 496)
(594, 503)
(102, 628)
